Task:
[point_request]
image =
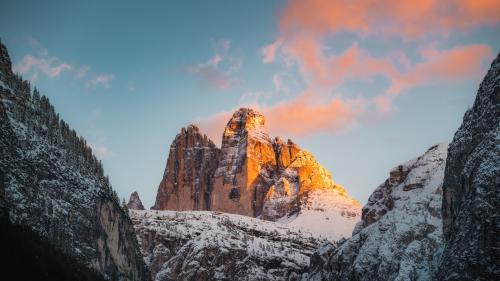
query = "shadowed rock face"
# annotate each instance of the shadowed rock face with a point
(471, 204)
(134, 202)
(51, 182)
(188, 179)
(251, 174)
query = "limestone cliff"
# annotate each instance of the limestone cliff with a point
(188, 179)
(253, 175)
(246, 167)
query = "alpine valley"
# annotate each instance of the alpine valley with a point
(255, 208)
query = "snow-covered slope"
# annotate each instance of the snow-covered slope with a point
(400, 234)
(203, 245)
(326, 213)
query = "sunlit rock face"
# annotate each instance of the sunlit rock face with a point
(253, 175)
(188, 179)
(246, 166)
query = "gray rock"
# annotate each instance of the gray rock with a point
(51, 182)
(471, 189)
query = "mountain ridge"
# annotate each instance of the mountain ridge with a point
(53, 184)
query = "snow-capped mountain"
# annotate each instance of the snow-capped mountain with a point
(202, 245)
(254, 175)
(400, 234)
(52, 183)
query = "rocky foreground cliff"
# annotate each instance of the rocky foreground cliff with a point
(202, 245)
(471, 202)
(409, 231)
(52, 183)
(400, 233)
(254, 175)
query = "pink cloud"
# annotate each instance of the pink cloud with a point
(407, 19)
(269, 51)
(458, 63)
(48, 66)
(306, 28)
(301, 116)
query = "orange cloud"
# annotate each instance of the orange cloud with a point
(459, 63)
(300, 116)
(407, 19)
(305, 26)
(322, 70)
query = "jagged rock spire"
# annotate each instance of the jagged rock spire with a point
(134, 202)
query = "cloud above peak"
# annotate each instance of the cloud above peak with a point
(331, 44)
(219, 70)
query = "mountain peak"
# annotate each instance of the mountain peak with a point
(245, 119)
(135, 202)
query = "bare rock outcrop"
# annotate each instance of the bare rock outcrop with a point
(188, 178)
(471, 188)
(246, 167)
(134, 202)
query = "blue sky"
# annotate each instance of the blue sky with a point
(128, 76)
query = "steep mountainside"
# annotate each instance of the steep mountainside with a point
(400, 232)
(471, 188)
(201, 245)
(51, 182)
(188, 179)
(254, 175)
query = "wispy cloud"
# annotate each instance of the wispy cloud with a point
(82, 72)
(306, 47)
(101, 79)
(218, 71)
(50, 66)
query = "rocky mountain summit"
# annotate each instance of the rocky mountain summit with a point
(51, 183)
(187, 182)
(400, 232)
(134, 202)
(471, 204)
(202, 245)
(253, 175)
